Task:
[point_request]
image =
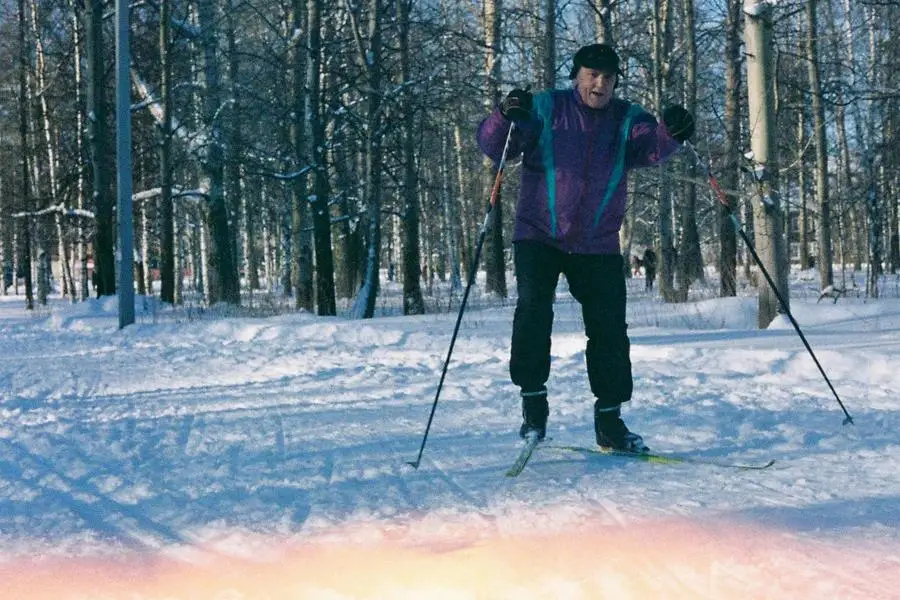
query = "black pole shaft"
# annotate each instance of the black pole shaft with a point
(781, 300)
(473, 272)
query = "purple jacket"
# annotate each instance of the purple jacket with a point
(575, 165)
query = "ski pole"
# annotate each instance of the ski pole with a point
(723, 199)
(473, 271)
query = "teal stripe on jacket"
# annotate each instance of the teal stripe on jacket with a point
(618, 170)
(543, 108)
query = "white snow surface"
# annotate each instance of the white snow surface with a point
(237, 457)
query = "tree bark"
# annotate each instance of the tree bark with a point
(301, 237)
(767, 216)
(369, 51)
(548, 67)
(803, 197)
(99, 138)
(167, 271)
(221, 267)
(319, 202)
(661, 48)
(603, 21)
(731, 171)
(823, 222)
(495, 263)
(413, 303)
(690, 259)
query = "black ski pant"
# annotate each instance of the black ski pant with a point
(597, 282)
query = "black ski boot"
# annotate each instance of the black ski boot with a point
(535, 410)
(612, 432)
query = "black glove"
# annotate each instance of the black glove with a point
(517, 105)
(679, 122)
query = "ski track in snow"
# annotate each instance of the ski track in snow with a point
(168, 439)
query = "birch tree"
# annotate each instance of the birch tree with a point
(368, 53)
(603, 20)
(661, 48)
(767, 215)
(495, 264)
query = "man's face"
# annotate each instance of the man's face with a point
(595, 87)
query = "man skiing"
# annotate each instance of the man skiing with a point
(578, 145)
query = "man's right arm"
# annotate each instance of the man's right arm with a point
(492, 132)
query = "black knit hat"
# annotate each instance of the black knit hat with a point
(601, 57)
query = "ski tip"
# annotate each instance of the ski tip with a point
(758, 467)
(414, 464)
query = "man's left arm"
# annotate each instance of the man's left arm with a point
(651, 142)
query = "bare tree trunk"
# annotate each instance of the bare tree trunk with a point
(661, 46)
(3, 287)
(301, 236)
(234, 147)
(369, 52)
(99, 138)
(77, 42)
(548, 68)
(767, 216)
(413, 303)
(730, 177)
(462, 187)
(203, 254)
(221, 268)
(319, 202)
(690, 259)
(167, 271)
(890, 127)
(44, 118)
(25, 251)
(603, 21)
(801, 190)
(823, 223)
(451, 216)
(145, 286)
(626, 233)
(345, 251)
(250, 209)
(178, 237)
(494, 264)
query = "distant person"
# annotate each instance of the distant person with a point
(578, 145)
(636, 264)
(649, 261)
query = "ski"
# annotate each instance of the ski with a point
(531, 442)
(666, 459)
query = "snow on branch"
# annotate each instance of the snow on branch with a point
(56, 209)
(196, 194)
(195, 143)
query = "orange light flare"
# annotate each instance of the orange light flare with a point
(477, 557)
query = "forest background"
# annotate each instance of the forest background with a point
(297, 154)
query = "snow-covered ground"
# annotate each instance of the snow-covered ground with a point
(266, 457)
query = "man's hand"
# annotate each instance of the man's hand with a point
(517, 105)
(679, 122)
